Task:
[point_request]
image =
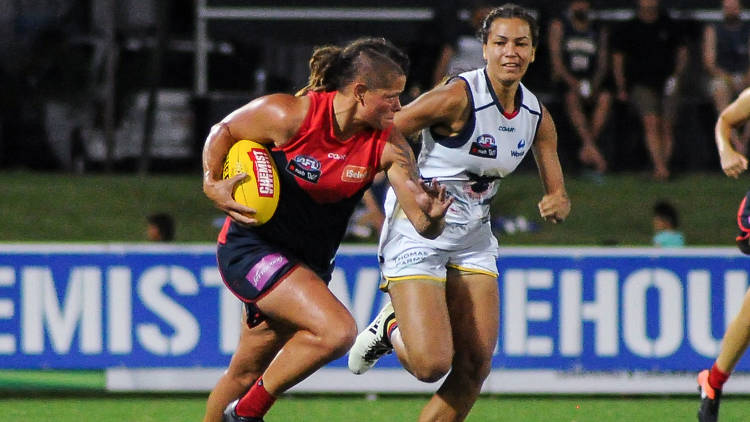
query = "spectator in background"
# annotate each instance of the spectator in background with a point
(649, 56)
(579, 56)
(726, 48)
(160, 227)
(666, 221)
(462, 49)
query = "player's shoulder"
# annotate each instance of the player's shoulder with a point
(283, 111)
(453, 95)
(284, 103)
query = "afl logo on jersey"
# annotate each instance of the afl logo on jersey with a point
(305, 167)
(484, 146)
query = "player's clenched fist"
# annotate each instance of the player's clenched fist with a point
(554, 207)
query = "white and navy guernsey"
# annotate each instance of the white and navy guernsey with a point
(490, 146)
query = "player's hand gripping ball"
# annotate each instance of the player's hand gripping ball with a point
(260, 189)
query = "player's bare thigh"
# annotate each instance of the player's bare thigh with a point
(423, 321)
(474, 307)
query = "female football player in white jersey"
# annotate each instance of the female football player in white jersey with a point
(476, 129)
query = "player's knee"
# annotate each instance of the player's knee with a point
(474, 369)
(431, 368)
(339, 337)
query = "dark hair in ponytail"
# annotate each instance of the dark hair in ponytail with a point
(509, 11)
(375, 59)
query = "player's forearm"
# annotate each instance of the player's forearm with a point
(215, 150)
(431, 228)
(723, 133)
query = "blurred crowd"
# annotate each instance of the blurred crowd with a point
(634, 85)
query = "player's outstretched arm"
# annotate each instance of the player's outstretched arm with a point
(424, 204)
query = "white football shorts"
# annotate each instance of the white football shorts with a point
(403, 257)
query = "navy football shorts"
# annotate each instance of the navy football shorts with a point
(251, 267)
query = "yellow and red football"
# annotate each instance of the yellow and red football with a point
(260, 189)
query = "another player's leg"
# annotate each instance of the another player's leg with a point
(473, 303)
(256, 348)
(416, 304)
(374, 342)
(733, 346)
(422, 339)
(323, 330)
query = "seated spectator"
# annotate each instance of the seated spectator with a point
(579, 55)
(649, 56)
(666, 222)
(160, 227)
(726, 47)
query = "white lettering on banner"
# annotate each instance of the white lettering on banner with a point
(230, 311)
(670, 319)
(365, 289)
(119, 310)
(519, 311)
(735, 286)
(699, 314)
(82, 305)
(184, 324)
(7, 311)
(699, 308)
(602, 312)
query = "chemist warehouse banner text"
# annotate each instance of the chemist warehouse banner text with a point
(73, 306)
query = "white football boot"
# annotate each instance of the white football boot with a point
(372, 343)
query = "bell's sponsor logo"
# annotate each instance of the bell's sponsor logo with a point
(354, 174)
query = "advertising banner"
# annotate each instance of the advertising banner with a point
(575, 310)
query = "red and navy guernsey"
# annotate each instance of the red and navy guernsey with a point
(322, 180)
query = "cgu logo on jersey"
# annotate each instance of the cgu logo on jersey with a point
(354, 174)
(305, 167)
(520, 149)
(263, 171)
(484, 146)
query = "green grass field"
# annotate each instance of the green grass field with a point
(112, 208)
(80, 396)
(181, 408)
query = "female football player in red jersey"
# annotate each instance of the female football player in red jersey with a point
(737, 337)
(444, 312)
(327, 142)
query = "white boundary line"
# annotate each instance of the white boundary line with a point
(399, 381)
